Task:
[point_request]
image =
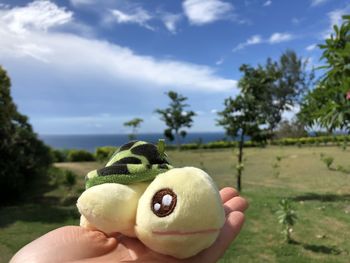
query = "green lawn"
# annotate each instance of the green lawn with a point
(320, 196)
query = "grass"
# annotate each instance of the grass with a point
(320, 196)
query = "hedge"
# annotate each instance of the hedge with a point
(104, 153)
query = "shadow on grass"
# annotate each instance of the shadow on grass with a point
(43, 202)
(37, 213)
(322, 197)
(330, 250)
(322, 249)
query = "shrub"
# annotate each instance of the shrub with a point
(80, 156)
(104, 153)
(70, 178)
(328, 161)
(58, 156)
(287, 217)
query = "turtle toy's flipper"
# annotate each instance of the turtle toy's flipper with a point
(110, 207)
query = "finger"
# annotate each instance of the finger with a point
(228, 233)
(66, 244)
(235, 204)
(227, 193)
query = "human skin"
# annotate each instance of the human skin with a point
(77, 244)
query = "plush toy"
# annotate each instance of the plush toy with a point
(173, 211)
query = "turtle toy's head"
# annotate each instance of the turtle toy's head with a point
(180, 213)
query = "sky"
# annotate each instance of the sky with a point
(88, 66)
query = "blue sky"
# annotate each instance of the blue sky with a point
(87, 66)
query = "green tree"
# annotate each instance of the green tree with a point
(176, 117)
(243, 116)
(286, 82)
(290, 129)
(328, 105)
(23, 156)
(134, 124)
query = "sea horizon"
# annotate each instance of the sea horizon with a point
(90, 142)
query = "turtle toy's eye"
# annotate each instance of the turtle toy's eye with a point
(163, 202)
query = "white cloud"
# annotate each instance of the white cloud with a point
(200, 12)
(214, 111)
(275, 38)
(23, 38)
(256, 39)
(219, 61)
(82, 2)
(296, 21)
(267, 3)
(170, 21)
(38, 15)
(3, 6)
(280, 37)
(311, 47)
(318, 2)
(137, 16)
(253, 40)
(289, 115)
(335, 18)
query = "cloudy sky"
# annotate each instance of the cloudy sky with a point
(87, 66)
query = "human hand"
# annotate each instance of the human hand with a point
(77, 244)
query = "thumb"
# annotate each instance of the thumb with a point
(66, 244)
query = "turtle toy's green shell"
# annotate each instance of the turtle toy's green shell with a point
(136, 161)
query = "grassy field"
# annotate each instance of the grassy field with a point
(320, 196)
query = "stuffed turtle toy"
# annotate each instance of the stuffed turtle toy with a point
(173, 211)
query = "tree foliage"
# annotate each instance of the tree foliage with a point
(244, 115)
(135, 125)
(176, 117)
(290, 129)
(328, 105)
(266, 92)
(286, 82)
(23, 156)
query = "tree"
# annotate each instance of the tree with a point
(176, 117)
(290, 129)
(135, 125)
(243, 116)
(23, 156)
(287, 80)
(328, 105)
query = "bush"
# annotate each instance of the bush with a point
(80, 156)
(70, 178)
(287, 217)
(104, 153)
(58, 156)
(328, 161)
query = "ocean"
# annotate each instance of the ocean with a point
(91, 142)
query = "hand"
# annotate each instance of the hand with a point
(77, 244)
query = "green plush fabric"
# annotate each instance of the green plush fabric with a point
(136, 161)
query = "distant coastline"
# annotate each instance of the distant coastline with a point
(91, 142)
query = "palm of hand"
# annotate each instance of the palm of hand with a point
(76, 244)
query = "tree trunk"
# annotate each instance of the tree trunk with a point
(240, 157)
(177, 138)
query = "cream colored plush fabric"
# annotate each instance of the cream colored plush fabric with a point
(194, 223)
(110, 207)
